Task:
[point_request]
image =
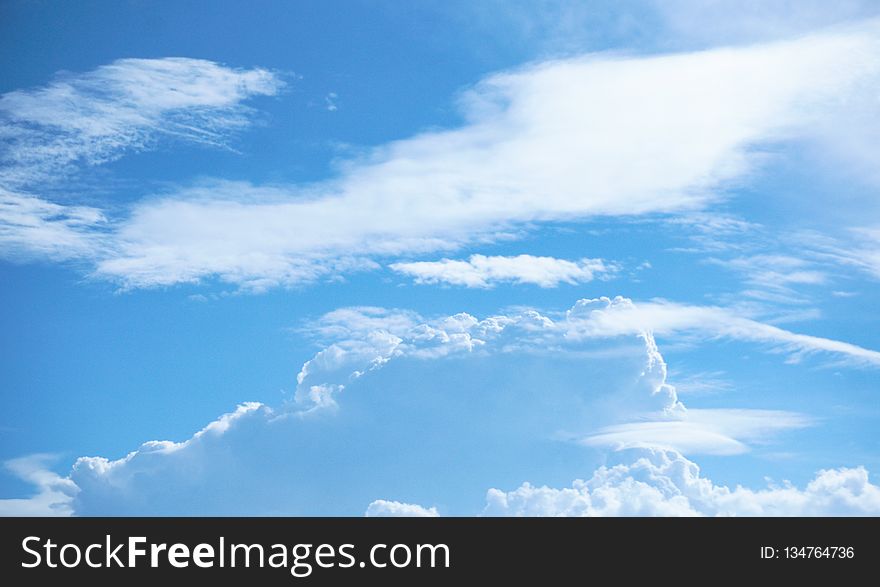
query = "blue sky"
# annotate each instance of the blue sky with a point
(459, 258)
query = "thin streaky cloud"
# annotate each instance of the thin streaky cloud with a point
(126, 106)
(483, 271)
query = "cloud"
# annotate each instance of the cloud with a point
(647, 413)
(32, 227)
(787, 267)
(860, 249)
(566, 26)
(360, 340)
(54, 496)
(78, 120)
(562, 140)
(702, 383)
(664, 483)
(868, 254)
(455, 401)
(606, 317)
(96, 117)
(693, 431)
(160, 478)
(695, 22)
(396, 509)
(774, 275)
(484, 272)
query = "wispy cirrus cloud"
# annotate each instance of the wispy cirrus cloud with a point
(48, 133)
(775, 274)
(605, 316)
(31, 227)
(126, 106)
(858, 249)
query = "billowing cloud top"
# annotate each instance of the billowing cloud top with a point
(358, 391)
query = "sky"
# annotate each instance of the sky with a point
(440, 259)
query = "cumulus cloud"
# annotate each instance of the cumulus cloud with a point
(482, 271)
(396, 509)
(665, 483)
(648, 413)
(365, 339)
(402, 392)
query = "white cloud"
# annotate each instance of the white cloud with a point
(118, 472)
(859, 249)
(775, 275)
(348, 322)
(787, 267)
(359, 340)
(613, 392)
(692, 431)
(605, 317)
(483, 271)
(33, 227)
(54, 496)
(742, 21)
(95, 117)
(648, 413)
(396, 509)
(664, 483)
(702, 382)
(565, 26)
(563, 140)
